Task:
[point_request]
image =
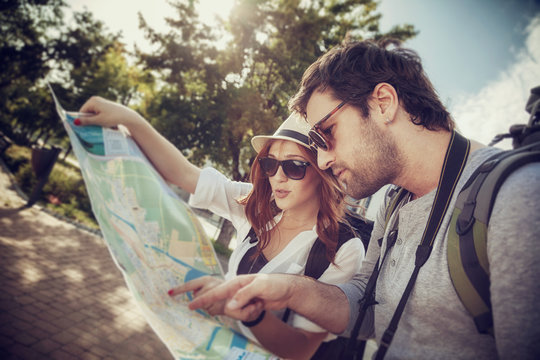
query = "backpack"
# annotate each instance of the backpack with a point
(467, 231)
(316, 265)
(467, 236)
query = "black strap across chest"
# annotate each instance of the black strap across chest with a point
(454, 163)
(316, 263)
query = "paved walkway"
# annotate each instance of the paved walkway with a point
(61, 295)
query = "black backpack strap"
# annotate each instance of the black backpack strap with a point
(317, 262)
(247, 263)
(251, 236)
(361, 226)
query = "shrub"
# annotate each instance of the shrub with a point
(25, 178)
(16, 156)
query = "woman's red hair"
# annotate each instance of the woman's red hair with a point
(260, 208)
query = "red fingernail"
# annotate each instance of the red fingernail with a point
(170, 292)
(77, 122)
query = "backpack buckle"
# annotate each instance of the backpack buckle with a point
(488, 165)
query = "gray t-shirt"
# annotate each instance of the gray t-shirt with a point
(435, 324)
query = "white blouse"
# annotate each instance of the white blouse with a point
(218, 194)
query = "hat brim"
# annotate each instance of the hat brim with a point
(259, 141)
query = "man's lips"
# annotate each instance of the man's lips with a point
(338, 173)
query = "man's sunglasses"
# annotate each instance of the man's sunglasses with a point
(293, 169)
(317, 138)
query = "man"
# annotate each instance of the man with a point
(377, 120)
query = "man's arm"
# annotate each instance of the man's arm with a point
(324, 304)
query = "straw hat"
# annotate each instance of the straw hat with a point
(294, 129)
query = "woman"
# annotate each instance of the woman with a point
(281, 210)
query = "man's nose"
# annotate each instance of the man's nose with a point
(325, 159)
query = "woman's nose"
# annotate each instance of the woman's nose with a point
(280, 175)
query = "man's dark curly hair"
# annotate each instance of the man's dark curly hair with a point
(352, 70)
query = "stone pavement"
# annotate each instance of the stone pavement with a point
(61, 295)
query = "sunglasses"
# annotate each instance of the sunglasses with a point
(317, 138)
(293, 169)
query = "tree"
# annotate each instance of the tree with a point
(220, 98)
(279, 39)
(80, 60)
(24, 53)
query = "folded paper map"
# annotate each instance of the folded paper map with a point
(155, 240)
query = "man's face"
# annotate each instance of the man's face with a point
(361, 154)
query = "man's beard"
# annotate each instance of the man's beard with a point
(381, 165)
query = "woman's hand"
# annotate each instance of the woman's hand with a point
(102, 112)
(200, 286)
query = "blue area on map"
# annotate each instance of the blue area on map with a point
(212, 337)
(124, 220)
(90, 136)
(239, 341)
(190, 275)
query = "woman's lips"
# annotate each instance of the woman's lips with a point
(280, 194)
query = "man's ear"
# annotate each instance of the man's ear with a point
(385, 101)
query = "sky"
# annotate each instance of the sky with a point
(483, 56)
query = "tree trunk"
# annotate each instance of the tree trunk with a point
(227, 228)
(226, 233)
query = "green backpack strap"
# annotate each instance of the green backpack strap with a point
(395, 195)
(467, 236)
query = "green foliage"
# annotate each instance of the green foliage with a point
(206, 99)
(64, 192)
(25, 178)
(25, 40)
(26, 56)
(72, 210)
(215, 99)
(221, 249)
(80, 60)
(16, 156)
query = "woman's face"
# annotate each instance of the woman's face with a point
(292, 194)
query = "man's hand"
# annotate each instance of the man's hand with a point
(245, 296)
(199, 287)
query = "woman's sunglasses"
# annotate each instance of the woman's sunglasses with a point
(317, 137)
(293, 169)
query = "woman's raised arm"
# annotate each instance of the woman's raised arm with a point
(165, 157)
